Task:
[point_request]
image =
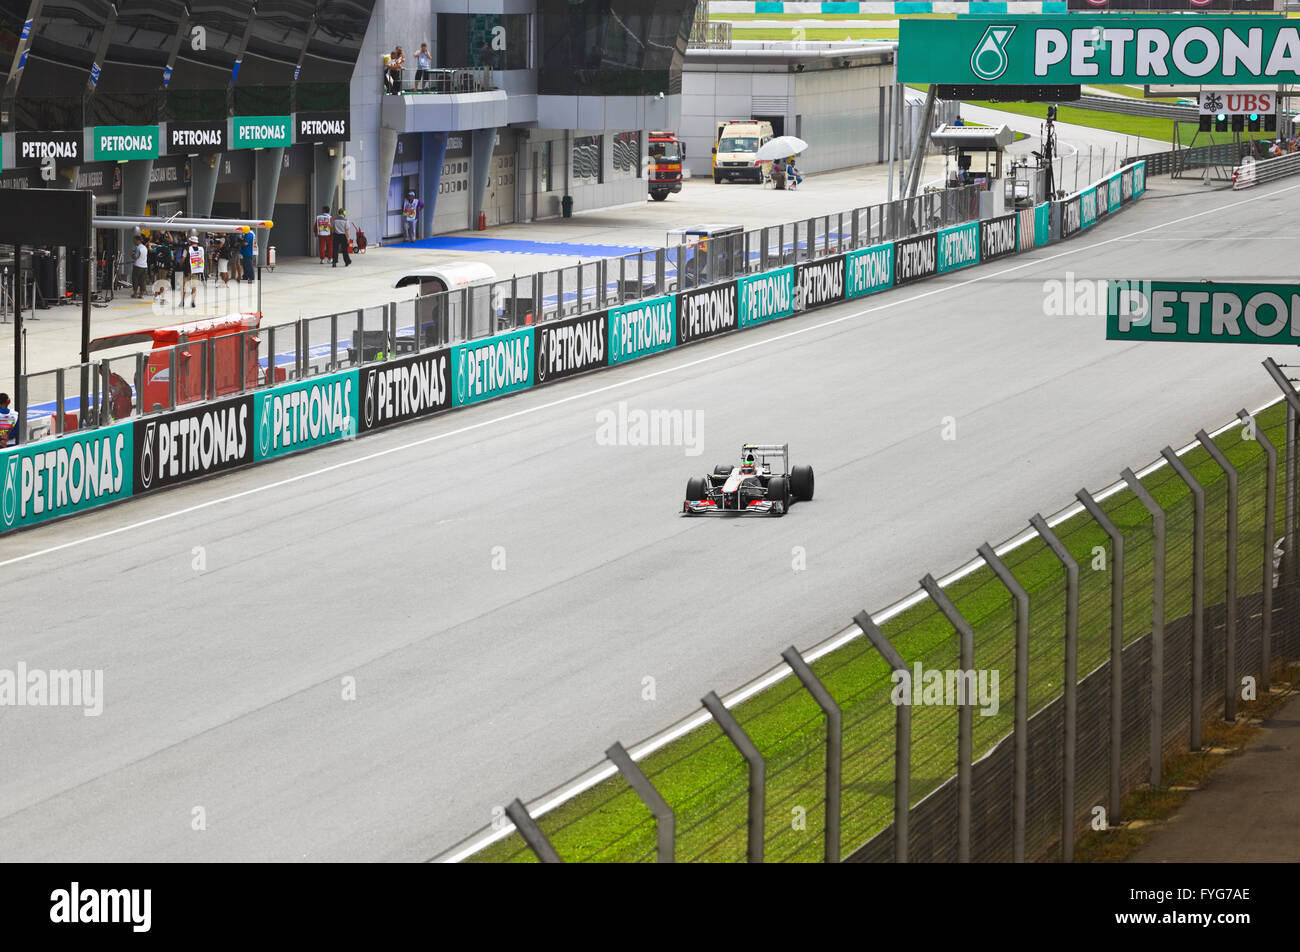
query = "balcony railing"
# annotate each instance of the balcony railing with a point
(441, 81)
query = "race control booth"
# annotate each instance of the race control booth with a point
(973, 155)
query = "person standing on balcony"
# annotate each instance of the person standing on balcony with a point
(423, 63)
(396, 62)
(410, 214)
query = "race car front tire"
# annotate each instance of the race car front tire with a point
(801, 482)
(696, 488)
(778, 491)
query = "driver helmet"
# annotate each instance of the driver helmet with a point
(747, 466)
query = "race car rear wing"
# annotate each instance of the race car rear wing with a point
(769, 450)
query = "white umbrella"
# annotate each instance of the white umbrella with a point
(780, 147)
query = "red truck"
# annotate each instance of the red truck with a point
(666, 153)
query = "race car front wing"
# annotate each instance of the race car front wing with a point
(760, 507)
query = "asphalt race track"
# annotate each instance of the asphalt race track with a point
(498, 584)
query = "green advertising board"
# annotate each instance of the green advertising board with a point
(261, 132)
(646, 327)
(1201, 311)
(1210, 51)
(309, 413)
(1087, 207)
(117, 143)
(765, 297)
(66, 474)
(868, 270)
(483, 369)
(959, 246)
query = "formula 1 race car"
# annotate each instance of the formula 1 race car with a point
(752, 486)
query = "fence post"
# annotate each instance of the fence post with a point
(1289, 562)
(1157, 622)
(1270, 522)
(1071, 680)
(532, 833)
(1021, 781)
(141, 360)
(1230, 594)
(171, 375)
(60, 394)
(965, 746)
(757, 771)
(1289, 507)
(1198, 590)
(1116, 650)
(665, 821)
(834, 747)
(902, 736)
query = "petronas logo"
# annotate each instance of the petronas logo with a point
(146, 456)
(264, 428)
(989, 61)
(9, 502)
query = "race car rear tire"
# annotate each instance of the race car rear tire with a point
(777, 490)
(801, 482)
(722, 469)
(696, 488)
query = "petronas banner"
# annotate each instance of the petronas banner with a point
(1203, 51)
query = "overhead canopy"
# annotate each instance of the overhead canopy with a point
(973, 137)
(117, 222)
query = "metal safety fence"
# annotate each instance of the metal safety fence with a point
(1252, 172)
(990, 716)
(121, 388)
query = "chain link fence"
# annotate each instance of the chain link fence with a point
(986, 717)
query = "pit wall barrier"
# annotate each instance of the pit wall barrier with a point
(87, 469)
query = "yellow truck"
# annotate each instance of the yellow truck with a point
(735, 147)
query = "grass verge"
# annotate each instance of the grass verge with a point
(815, 33)
(704, 779)
(1144, 126)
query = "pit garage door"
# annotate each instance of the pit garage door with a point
(499, 203)
(451, 213)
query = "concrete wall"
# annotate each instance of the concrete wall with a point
(836, 111)
(363, 195)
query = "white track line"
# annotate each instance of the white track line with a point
(885, 305)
